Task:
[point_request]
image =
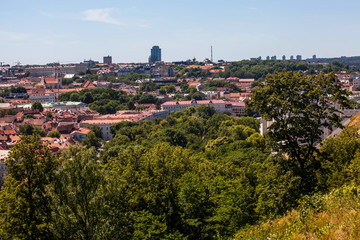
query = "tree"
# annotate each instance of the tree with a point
(49, 115)
(24, 204)
(54, 134)
(75, 196)
(300, 106)
(92, 141)
(184, 86)
(148, 87)
(74, 97)
(88, 98)
(11, 112)
(167, 89)
(97, 130)
(37, 105)
(29, 129)
(336, 155)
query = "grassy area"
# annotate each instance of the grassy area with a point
(355, 121)
(332, 216)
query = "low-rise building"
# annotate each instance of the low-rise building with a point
(106, 121)
(80, 134)
(220, 106)
(41, 95)
(3, 168)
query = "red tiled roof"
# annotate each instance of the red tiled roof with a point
(9, 132)
(50, 80)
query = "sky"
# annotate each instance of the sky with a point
(40, 32)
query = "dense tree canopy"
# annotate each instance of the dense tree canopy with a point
(24, 202)
(300, 106)
(108, 101)
(194, 175)
(37, 106)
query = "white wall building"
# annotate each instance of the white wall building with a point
(3, 168)
(220, 106)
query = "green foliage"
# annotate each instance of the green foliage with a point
(25, 211)
(193, 175)
(108, 101)
(260, 69)
(38, 106)
(49, 115)
(18, 90)
(11, 112)
(332, 216)
(300, 106)
(167, 89)
(92, 140)
(213, 84)
(29, 129)
(338, 158)
(193, 73)
(148, 87)
(29, 116)
(76, 196)
(54, 134)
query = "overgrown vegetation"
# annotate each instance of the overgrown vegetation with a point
(108, 101)
(194, 175)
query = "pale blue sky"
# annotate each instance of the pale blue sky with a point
(39, 31)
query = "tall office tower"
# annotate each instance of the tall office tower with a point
(291, 57)
(155, 55)
(298, 57)
(283, 57)
(108, 60)
(314, 56)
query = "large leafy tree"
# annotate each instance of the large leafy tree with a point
(24, 204)
(92, 140)
(75, 195)
(37, 105)
(29, 129)
(300, 106)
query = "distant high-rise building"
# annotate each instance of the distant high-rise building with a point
(267, 58)
(283, 57)
(298, 57)
(155, 54)
(273, 58)
(291, 57)
(314, 56)
(108, 60)
(90, 62)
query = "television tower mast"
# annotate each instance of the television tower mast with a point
(211, 54)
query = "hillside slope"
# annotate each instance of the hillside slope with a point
(332, 216)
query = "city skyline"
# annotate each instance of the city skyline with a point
(36, 32)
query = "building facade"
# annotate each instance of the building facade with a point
(220, 106)
(108, 60)
(155, 54)
(49, 71)
(3, 168)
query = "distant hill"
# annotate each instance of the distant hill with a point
(352, 62)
